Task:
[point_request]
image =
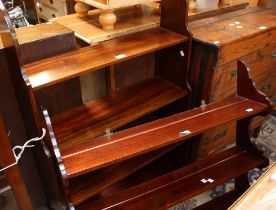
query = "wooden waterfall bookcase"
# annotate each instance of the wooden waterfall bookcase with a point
(91, 159)
(164, 191)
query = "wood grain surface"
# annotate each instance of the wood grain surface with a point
(113, 111)
(84, 187)
(224, 33)
(60, 68)
(13, 174)
(169, 189)
(141, 139)
(40, 31)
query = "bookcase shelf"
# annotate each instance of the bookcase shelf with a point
(113, 111)
(63, 67)
(147, 137)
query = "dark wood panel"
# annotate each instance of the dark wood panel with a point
(135, 70)
(170, 189)
(13, 173)
(10, 109)
(153, 135)
(50, 71)
(44, 40)
(113, 111)
(34, 43)
(222, 202)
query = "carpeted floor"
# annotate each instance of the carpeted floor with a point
(265, 142)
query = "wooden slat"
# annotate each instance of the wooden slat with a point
(141, 139)
(170, 189)
(84, 187)
(113, 111)
(54, 70)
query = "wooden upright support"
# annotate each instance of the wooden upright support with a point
(13, 173)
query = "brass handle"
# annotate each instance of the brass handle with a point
(273, 54)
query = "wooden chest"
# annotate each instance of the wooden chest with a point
(219, 41)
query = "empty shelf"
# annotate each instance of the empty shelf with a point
(84, 187)
(60, 68)
(147, 137)
(113, 111)
(172, 188)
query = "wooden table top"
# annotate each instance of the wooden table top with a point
(261, 195)
(40, 31)
(220, 31)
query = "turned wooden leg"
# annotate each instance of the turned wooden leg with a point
(192, 5)
(225, 2)
(107, 19)
(81, 9)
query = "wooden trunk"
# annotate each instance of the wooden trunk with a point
(249, 35)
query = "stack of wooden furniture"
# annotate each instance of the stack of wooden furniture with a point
(102, 160)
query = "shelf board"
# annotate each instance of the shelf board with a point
(154, 135)
(63, 67)
(113, 111)
(84, 187)
(183, 183)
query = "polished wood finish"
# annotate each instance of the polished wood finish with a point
(84, 187)
(111, 112)
(16, 109)
(33, 42)
(60, 68)
(24, 114)
(167, 190)
(130, 97)
(171, 188)
(13, 174)
(134, 141)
